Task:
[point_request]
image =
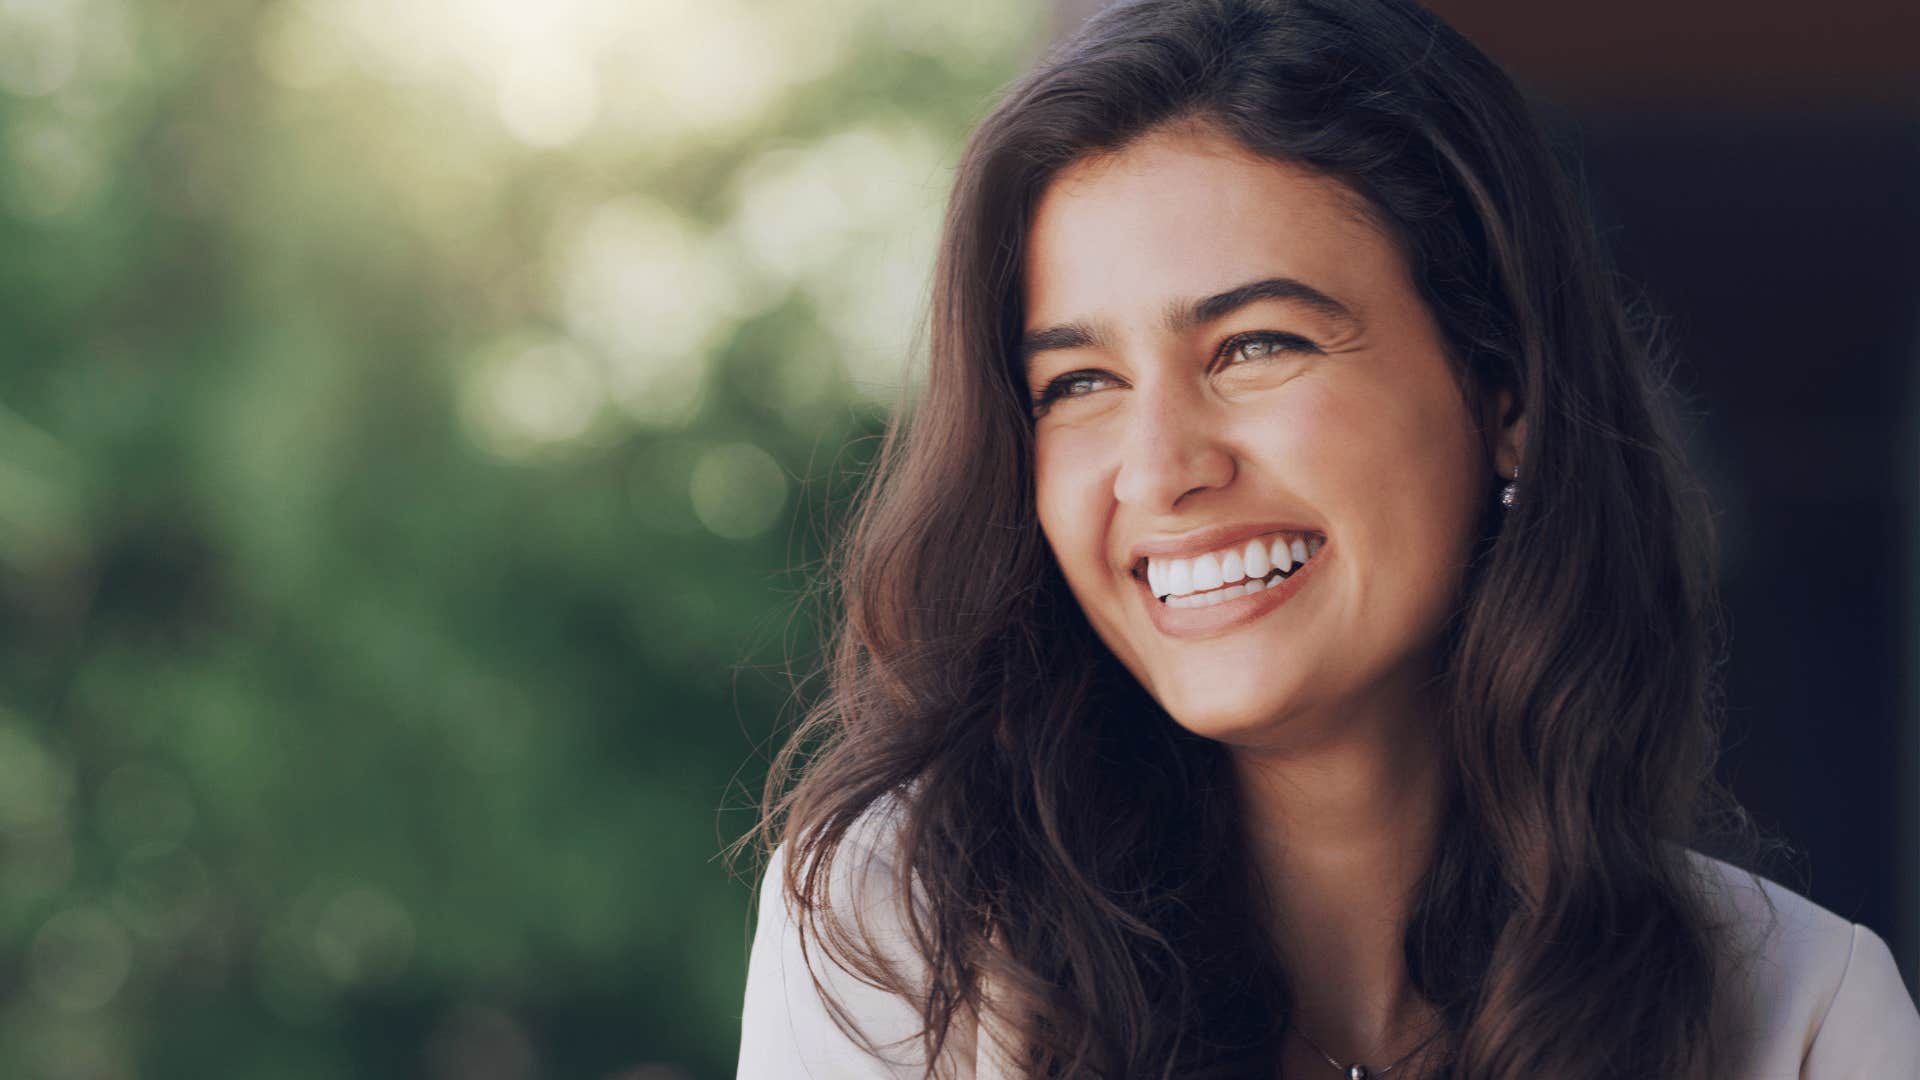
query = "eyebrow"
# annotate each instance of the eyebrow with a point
(1181, 318)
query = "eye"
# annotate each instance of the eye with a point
(1072, 384)
(1265, 345)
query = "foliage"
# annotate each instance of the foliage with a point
(417, 424)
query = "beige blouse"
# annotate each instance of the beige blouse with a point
(1816, 998)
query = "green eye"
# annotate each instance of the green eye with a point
(1068, 385)
(1266, 344)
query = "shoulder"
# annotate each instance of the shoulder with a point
(1805, 993)
(806, 1014)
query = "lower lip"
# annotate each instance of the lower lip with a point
(1231, 614)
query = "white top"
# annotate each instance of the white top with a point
(1821, 1000)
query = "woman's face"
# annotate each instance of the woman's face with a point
(1237, 356)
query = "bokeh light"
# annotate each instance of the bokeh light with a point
(738, 490)
(80, 959)
(383, 379)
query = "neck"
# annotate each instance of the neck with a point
(1341, 832)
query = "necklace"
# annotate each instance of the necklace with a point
(1358, 1071)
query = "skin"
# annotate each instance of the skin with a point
(1361, 431)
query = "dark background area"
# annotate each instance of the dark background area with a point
(1756, 168)
(1783, 251)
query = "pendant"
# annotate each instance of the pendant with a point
(1358, 1072)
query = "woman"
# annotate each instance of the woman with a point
(1280, 643)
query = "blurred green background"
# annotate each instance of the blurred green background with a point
(418, 424)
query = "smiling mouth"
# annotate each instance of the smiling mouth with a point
(1239, 570)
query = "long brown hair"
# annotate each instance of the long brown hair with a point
(1078, 847)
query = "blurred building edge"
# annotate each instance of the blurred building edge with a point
(1753, 164)
(1777, 52)
(1770, 54)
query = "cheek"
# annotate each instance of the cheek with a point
(1383, 441)
(1383, 451)
(1404, 462)
(1068, 473)
(1308, 437)
(1431, 463)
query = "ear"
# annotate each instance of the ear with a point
(1503, 423)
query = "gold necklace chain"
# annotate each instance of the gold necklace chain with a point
(1357, 1071)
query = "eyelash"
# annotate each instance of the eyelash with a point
(1055, 390)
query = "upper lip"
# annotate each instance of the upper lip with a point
(1212, 538)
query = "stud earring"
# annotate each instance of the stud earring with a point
(1507, 492)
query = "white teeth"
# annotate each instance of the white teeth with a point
(1231, 568)
(1206, 573)
(1221, 596)
(1180, 577)
(1199, 581)
(1281, 555)
(1255, 558)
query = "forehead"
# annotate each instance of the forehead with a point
(1183, 212)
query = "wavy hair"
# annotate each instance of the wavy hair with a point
(1078, 847)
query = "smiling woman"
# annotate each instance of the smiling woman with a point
(1281, 641)
(1345, 425)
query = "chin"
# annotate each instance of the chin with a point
(1225, 710)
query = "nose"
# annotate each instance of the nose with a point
(1172, 449)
